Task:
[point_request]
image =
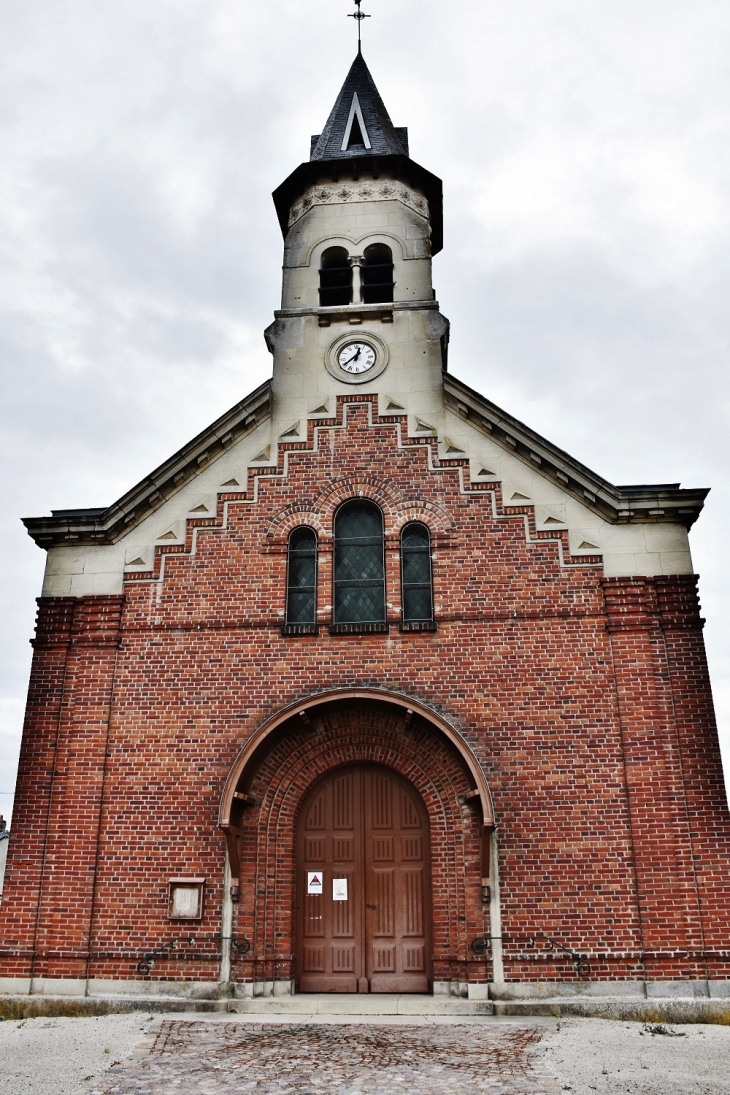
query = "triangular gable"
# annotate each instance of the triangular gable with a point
(664, 502)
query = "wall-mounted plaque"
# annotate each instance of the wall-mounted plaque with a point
(186, 898)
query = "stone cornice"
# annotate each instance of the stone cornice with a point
(619, 505)
(339, 194)
(374, 168)
(106, 526)
(364, 311)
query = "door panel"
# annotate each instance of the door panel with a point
(383, 895)
(330, 843)
(397, 883)
(368, 826)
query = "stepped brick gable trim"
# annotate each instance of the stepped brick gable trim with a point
(399, 506)
(616, 504)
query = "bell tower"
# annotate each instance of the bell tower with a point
(361, 222)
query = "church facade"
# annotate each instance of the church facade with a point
(370, 688)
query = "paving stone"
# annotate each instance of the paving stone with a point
(215, 1058)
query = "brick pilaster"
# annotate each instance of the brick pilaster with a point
(36, 769)
(704, 787)
(60, 787)
(637, 609)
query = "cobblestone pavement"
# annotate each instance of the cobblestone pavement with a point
(216, 1058)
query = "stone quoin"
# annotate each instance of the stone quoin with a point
(371, 626)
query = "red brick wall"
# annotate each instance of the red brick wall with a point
(586, 700)
(48, 904)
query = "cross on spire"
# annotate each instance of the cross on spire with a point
(359, 16)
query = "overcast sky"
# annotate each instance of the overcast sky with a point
(585, 153)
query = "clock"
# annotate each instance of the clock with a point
(356, 358)
(352, 360)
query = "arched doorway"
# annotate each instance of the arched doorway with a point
(270, 781)
(363, 885)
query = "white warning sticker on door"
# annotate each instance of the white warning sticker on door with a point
(314, 882)
(339, 889)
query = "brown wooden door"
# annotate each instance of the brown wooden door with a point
(366, 827)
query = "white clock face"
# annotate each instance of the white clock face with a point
(356, 357)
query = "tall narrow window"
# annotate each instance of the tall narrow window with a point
(359, 567)
(377, 274)
(301, 591)
(335, 277)
(417, 583)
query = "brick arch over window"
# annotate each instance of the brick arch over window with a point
(398, 509)
(297, 747)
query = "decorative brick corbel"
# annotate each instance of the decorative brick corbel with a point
(678, 602)
(631, 604)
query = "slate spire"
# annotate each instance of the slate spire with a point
(359, 125)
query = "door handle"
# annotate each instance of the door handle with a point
(370, 906)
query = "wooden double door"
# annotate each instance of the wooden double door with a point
(363, 885)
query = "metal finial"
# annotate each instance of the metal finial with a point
(359, 15)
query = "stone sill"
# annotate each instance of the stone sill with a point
(414, 626)
(359, 629)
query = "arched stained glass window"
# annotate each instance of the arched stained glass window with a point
(359, 565)
(301, 585)
(416, 579)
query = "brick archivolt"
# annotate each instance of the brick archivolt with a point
(347, 734)
(292, 517)
(398, 509)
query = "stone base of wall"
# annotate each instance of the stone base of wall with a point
(640, 1001)
(636, 990)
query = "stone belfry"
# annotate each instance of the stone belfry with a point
(361, 222)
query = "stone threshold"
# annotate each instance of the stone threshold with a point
(365, 1004)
